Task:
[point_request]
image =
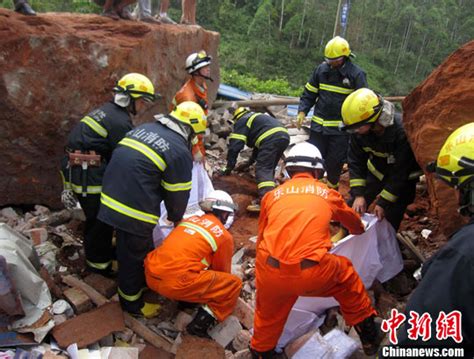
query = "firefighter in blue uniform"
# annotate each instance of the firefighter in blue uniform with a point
(88, 151)
(153, 163)
(381, 161)
(447, 282)
(268, 138)
(329, 85)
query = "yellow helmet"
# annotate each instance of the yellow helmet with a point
(361, 107)
(337, 47)
(190, 113)
(455, 162)
(239, 112)
(137, 86)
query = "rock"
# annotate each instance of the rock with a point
(223, 333)
(221, 145)
(78, 299)
(182, 320)
(77, 53)
(41, 210)
(195, 347)
(125, 335)
(432, 111)
(244, 312)
(242, 340)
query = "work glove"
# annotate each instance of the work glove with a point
(68, 199)
(225, 171)
(300, 119)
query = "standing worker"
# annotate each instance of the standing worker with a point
(293, 259)
(152, 163)
(380, 158)
(88, 151)
(448, 276)
(195, 89)
(194, 264)
(23, 7)
(327, 89)
(268, 138)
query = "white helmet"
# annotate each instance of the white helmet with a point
(197, 60)
(305, 155)
(218, 200)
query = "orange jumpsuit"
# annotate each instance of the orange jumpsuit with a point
(293, 259)
(191, 91)
(193, 265)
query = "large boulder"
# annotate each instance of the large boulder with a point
(438, 106)
(56, 67)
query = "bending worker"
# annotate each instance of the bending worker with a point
(326, 90)
(88, 152)
(268, 138)
(293, 259)
(448, 276)
(380, 158)
(152, 163)
(198, 65)
(194, 263)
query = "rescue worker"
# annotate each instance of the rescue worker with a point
(293, 259)
(194, 264)
(327, 89)
(152, 163)
(448, 276)
(23, 7)
(88, 152)
(195, 89)
(381, 161)
(268, 138)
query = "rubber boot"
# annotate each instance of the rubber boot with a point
(148, 311)
(201, 323)
(269, 354)
(370, 335)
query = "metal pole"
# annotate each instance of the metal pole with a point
(337, 18)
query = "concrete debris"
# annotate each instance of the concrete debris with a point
(237, 257)
(243, 354)
(62, 307)
(90, 327)
(182, 320)
(244, 312)
(223, 333)
(242, 340)
(38, 235)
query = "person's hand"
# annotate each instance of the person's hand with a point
(300, 119)
(379, 212)
(225, 171)
(359, 205)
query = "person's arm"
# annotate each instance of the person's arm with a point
(176, 186)
(344, 214)
(237, 141)
(357, 161)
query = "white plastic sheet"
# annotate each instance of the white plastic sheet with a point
(374, 254)
(201, 187)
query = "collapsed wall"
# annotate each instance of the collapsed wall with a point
(433, 110)
(56, 67)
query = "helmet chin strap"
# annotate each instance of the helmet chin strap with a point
(466, 201)
(198, 73)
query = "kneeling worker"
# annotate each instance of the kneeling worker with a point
(268, 138)
(193, 264)
(293, 259)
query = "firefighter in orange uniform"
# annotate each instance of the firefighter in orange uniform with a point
(193, 264)
(293, 259)
(198, 65)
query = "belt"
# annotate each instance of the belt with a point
(81, 158)
(304, 264)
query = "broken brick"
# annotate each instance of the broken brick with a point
(151, 352)
(223, 333)
(242, 340)
(182, 320)
(105, 286)
(78, 299)
(243, 354)
(38, 235)
(90, 327)
(53, 287)
(244, 312)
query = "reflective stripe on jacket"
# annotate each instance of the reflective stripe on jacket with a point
(387, 157)
(326, 90)
(151, 164)
(254, 130)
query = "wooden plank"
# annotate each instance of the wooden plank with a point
(409, 244)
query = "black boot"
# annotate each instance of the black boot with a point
(370, 335)
(25, 9)
(201, 323)
(269, 354)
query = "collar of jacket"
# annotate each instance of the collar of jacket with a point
(303, 175)
(174, 126)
